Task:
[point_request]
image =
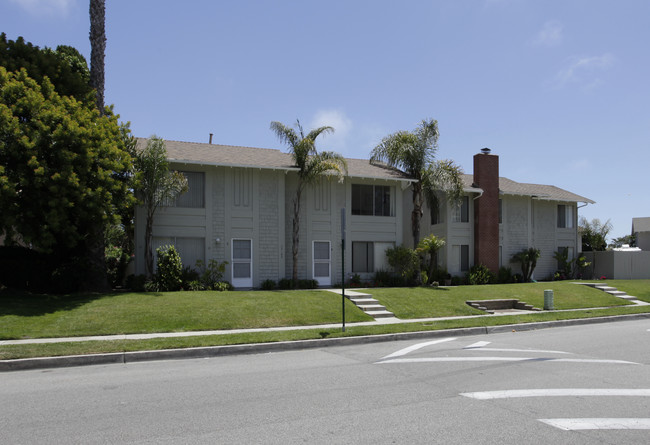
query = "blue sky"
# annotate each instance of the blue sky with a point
(558, 89)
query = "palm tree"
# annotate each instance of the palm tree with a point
(311, 166)
(155, 186)
(429, 246)
(97, 49)
(413, 152)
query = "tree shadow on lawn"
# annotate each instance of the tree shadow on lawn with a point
(25, 304)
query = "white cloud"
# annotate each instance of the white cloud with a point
(550, 35)
(342, 125)
(46, 7)
(583, 71)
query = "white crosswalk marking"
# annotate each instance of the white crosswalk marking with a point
(599, 424)
(503, 359)
(557, 392)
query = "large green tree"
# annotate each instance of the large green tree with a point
(65, 66)
(594, 234)
(155, 184)
(311, 166)
(59, 167)
(414, 152)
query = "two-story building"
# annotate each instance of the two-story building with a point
(239, 209)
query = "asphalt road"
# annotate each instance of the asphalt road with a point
(579, 385)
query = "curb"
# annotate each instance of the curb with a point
(258, 348)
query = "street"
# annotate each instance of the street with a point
(583, 384)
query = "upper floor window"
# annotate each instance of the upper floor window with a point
(195, 195)
(435, 213)
(461, 212)
(371, 200)
(564, 216)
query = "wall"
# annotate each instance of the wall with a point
(619, 265)
(643, 240)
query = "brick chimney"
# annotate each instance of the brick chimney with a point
(486, 210)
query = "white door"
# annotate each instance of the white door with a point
(242, 263)
(322, 263)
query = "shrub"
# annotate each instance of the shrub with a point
(505, 275)
(268, 285)
(170, 269)
(384, 278)
(151, 286)
(212, 273)
(405, 262)
(355, 280)
(223, 286)
(189, 276)
(285, 283)
(307, 284)
(480, 274)
(194, 285)
(527, 258)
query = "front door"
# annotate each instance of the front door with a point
(322, 263)
(242, 263)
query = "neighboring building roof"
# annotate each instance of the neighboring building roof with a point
(640, 225)
(264, 158)
(539, 191)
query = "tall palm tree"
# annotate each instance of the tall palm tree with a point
(97, 49)
(311, 166)
(97, 279)
(413, 152)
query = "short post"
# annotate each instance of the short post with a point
(548, 300)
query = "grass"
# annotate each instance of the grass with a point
(637, 288)
(450, 301)
(8, 352)
(38, 316)
(31, 316)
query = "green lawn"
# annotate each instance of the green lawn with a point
(450, 301)
(34, 316)
(637, 288)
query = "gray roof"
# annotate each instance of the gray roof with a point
(263, 158)
(539, 191)
(267, 158)
(640, 225)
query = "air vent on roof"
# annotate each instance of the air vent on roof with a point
(210, 139)
(485, 151)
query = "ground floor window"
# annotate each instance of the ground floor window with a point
(191, 249)
(461, 257)
(363, 255)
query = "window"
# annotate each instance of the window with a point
(460, 257)
(435, 213)
(564, 216)
(461, 212)
(195, 195)
(371, 200)
(464, 257)
(190, 249)
(363, 257)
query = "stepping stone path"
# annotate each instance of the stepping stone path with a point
(614, 292)
(367, 304)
